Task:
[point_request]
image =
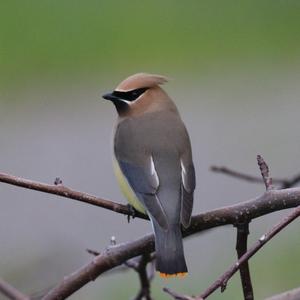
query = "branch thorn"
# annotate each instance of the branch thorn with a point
(57, 181)
(113, 241)
(93, 252)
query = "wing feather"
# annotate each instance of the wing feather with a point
(144, 181)
(187, 192)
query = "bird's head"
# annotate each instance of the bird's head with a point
(138, 94)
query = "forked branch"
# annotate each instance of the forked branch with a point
(241, 246)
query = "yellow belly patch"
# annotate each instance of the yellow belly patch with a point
(126, 188)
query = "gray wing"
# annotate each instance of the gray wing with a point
(187, 190)
(144, 181)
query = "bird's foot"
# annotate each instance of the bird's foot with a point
(132, 212)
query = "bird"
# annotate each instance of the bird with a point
(153, 163)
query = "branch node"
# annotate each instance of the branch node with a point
(242, 226)
(224, 285)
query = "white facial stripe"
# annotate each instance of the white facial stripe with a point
(126, 101)
(138, 98)
(131, 102)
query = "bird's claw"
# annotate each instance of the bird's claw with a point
(132, 212)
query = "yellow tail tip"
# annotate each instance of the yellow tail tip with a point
(165, 275)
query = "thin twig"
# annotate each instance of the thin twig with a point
(264, 170)
(246, 177)
(221, 282)
(289, 295)
(144, 277)
(177, 296)
(63, 191)
(290, 182)
(11, 292)
(282, 183)
(241, 248)
(151, 273)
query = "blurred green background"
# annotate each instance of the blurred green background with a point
(66, 38)
(235, 70)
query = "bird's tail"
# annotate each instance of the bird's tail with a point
(170, 261)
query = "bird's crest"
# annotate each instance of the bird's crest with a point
(141, 80)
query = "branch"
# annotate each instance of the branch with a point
(108, 259)
(10, 292)
(241, 248)
(239, 175)
(141, 268)
(139, 265)
(177, 296)
(221, 282)
(242, 236)
(259, 244)
(291, 182)
(282, 182)
(270, 201)
(289, 295)
(63, 191)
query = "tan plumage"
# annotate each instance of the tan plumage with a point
(141, 80)
(153, 156)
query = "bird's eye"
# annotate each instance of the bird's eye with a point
(137, 93)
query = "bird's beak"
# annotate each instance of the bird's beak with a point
(110, 96)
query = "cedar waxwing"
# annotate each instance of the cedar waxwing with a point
(153, 164)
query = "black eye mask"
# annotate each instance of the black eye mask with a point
(130, 95)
